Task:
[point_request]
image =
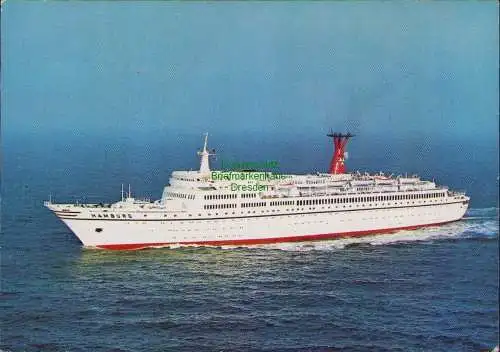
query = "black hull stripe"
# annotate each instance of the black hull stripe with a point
(263, 216)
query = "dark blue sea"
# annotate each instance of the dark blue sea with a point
(434, 289)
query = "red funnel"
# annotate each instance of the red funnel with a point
(337, 164)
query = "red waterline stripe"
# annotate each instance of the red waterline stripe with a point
(300, 238)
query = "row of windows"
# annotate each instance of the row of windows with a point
(186, 179)
(248, 195)
(315, 182)
(229, 196)
(112, 216)
(180, 195)
(221, 196)
(260, 204)
(370, 199)
(282, 202)
(325, 201)
(219, 206)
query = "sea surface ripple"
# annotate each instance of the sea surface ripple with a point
(433, 289)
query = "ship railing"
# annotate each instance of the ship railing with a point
(95, 205)
(90, 205)
(443, 188)
(456, 193)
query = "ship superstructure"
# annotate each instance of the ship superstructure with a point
(245, 207)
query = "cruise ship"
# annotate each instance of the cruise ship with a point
(251, 207)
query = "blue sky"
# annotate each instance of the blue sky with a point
(406, 68)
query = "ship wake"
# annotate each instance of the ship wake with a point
(478, 224)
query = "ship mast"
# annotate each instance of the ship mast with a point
(204, 154)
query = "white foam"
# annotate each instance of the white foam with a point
(480, 227)
(484, 224)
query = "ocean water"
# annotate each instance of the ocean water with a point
(434, 289)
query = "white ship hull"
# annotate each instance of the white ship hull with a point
(259, 229)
